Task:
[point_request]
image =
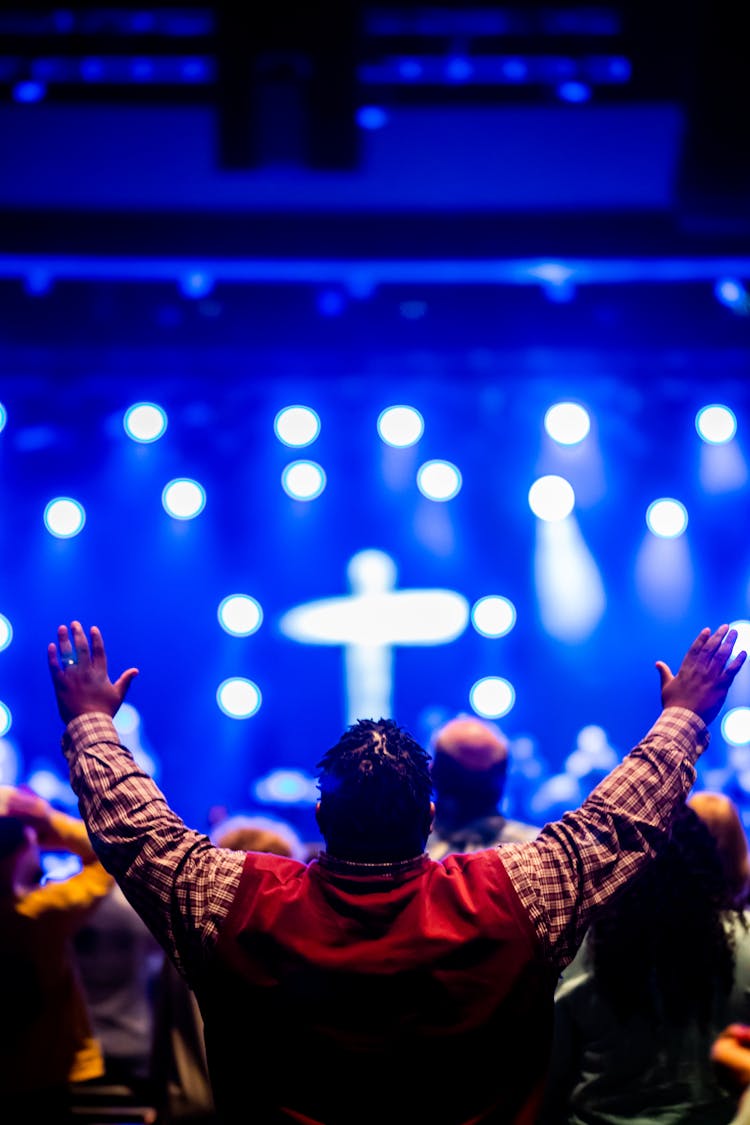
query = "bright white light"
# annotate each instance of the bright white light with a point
(400, 426)
(51, 786)
(735, 726)
(493, 616)
(439, 480)
(731, 293)
(716, 424)
(286, 787)
(127, 720)
(667, 518)
(567, 423)
(183, 499)
(6, 719)
(6, 632)
(238, 698)
(742, 644)
(551, 498)
(492, 697)
(569, 585)
(303, 480)
(3, 417)
(64, 517)
(240, 615)
(296, 425)
(144, 422)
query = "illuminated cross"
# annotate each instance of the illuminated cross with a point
(369, 622)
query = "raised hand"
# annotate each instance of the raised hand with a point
(704, 677)
(79, 674)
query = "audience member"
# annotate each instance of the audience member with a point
(46, 1037)
(180, 1077)
(664, 967)
(469, 767)
(347, 982)
(730, 1052)
(119, 960)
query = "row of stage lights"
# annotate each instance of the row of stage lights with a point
(551, 497)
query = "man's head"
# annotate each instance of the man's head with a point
(375, 792)
(470, 761)
(722, 817)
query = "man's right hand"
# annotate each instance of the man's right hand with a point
(704, 677)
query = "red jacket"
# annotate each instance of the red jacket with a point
(367, 990)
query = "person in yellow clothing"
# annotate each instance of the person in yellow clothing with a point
(46, 1040)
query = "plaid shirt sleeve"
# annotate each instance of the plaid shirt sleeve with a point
(577, 863)
(180, 883)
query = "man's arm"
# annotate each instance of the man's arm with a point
(179, 883)
(577, 863)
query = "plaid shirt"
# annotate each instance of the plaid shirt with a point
(183, 886)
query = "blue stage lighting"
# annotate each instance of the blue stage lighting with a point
(183, 499)
(240, 615)
(29, 91)
(144, 422)
(735, 726)
(742, 644)
(551, 498)
(458, 69)
(731, 293)
(400, 426)
(439, 480)
(667, 518)
(64, 517)
(3, 417)
(286, 787)
(716, 424)
(371, 117)
(239, 698)
(196, 283)
(567, 423)
(6, 719)
(330, 302)
(492, 697)
(127, 720)
(296, 425)
(303, 480)
(575, 92)
(6, 632)
(493, 616)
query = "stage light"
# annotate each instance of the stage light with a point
(3, 417)
(240, 615)
(286, 787)
(6, 632)
(371, 117)
(196, 283)
(400, 426)
(296, 425)
(64, 517)
(716, 424)
(183, 498)
(438, 480)
(29, 92)
(569, 587)
(303, 480)
(551, 498)
(239, 698)
(667, 518)
(733, 294)
(458, 69)
(742, 644)
(493, 616)
(567, 423)
(127, 720)
(492, 697)
(6, 719)
(144, 422)
(330, 302)
(574, 92)
(735, 726)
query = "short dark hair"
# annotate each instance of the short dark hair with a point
(375, 793)
(12, 835)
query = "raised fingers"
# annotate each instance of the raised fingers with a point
(80, 642)
(98, 654)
